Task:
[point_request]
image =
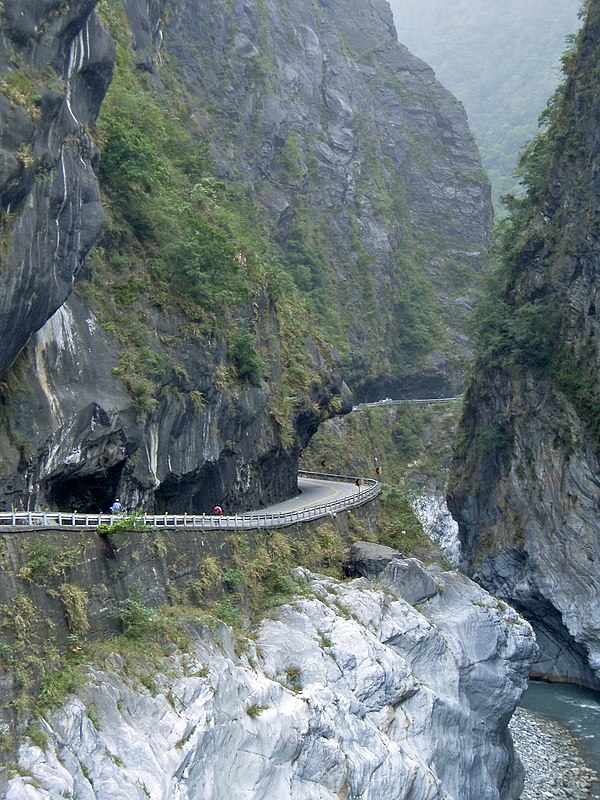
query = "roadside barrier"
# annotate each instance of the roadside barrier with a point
(367, 489)
(390, 402)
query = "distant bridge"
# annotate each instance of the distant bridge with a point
(321, 496)
(389, 402)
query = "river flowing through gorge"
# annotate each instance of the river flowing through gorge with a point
(577, 709)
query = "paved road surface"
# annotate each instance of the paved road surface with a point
(314, 492)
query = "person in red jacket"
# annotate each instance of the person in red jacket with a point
(217, 511)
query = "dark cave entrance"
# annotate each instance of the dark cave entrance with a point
(561, 659)
(86, 493)
(197, 494)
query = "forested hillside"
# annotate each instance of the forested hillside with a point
(502, 60)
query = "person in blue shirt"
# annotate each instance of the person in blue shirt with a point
(116, 507)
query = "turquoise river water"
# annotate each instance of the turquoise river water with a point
(575, 708)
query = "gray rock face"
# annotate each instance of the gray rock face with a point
(85, 444)
(320, 124)
(74, 438)
(431, 509)
(368, 560)
(405, 576)
(528, 470)
(145, 22)
(409, 580)
(347, 692)
(55, 66)
(529, 534)
(326, 116)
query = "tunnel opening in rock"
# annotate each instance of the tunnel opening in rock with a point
(235, 488)
(422, 386)
(86, 493)
(197, 493)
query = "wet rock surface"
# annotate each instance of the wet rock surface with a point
(56, 63)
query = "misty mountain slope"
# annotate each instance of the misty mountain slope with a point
(502, 60)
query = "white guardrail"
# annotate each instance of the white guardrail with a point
(389, 402)
(367, 491)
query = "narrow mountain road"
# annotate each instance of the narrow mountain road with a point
(319, 496)
(415, 401)
(316, 492)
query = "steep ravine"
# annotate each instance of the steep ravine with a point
(367, 218)
(527, 472)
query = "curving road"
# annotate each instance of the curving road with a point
(315, 492)
(320, 496)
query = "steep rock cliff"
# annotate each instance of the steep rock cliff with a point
(526, 487)
(203, 444)
(349, 691)
(364, 164)
(55, 66)
(356, 195)
(74, 436)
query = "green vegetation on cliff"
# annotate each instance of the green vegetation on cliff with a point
(181, 245)
(524, 321)
(178, 242)
(407, 447)
(288, 199)
(76, 599)
(324, 228)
